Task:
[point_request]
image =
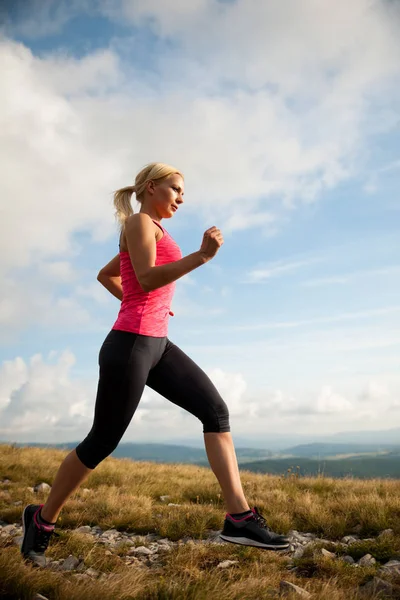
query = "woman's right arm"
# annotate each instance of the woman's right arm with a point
(141, 242)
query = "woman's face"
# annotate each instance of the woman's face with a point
(167, 195)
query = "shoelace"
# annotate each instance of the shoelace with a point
(42, 538)
(260, 519)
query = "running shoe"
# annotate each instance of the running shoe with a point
(252, 531)
(36, 536)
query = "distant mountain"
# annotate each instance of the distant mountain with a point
(320, 450)
(362, 467)
(162, 453)
(277, 442)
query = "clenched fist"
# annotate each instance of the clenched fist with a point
(212, 242)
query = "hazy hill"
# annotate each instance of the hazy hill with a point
(319, 450)
(163, 453)
(362, 467)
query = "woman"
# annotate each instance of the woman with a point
(137, 352)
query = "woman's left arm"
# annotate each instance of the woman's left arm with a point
(110, 277)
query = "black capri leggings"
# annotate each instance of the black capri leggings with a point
(129, 361)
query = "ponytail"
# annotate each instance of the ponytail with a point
(122, 204)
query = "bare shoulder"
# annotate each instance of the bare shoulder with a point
(138, 221)
(140, 225)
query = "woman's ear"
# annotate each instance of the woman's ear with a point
(150, 187)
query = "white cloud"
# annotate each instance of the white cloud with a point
(277, 268)
(42, 400)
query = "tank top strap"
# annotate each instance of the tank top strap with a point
(159, 225)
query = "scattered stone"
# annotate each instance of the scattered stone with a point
(42, 487)
(141, 550)
(164, 498)
(81, 577)
(386, 532)
(9, 529)
(298, 553)
(110, 533)
(349, 539)
(328, 554)
(84, 529)
(287, 589)
(172, 504)
(227, 563)
(377, 586)
(70, 563)
(17, 503)
(17, 541)
(367, 561)
(108, 553)
(392, 567)
(92, 573)
(348, 559)
(30, 489)
(54, 565)
(85, 491)
(5, 481)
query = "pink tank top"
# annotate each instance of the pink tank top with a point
(143, 312)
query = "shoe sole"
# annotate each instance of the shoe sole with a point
(248, 542)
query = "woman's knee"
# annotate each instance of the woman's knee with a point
(94, 449)
(216, 419)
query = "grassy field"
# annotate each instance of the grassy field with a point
(125, 495)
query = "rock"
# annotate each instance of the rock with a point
(392, 567)
(5, 481)
(54, 565)
(328, 554)
(82, 577)
(298, 553)
(349, 539)
(9, 529)
(42, 487)
(17, 503)
(141, 550)
(85, 491)
(17, 541)
(164, 498)
(108, 553)
(92, 573)
(288, 589)
(30, 489)
(39, 597)
(348, 559)
(227, 563)
(377, 586)
(172, 504)
(110, 533)
(84, 529)
(70, 563)
(386, 532)
(367, 561)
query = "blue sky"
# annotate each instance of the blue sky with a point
(285, 121)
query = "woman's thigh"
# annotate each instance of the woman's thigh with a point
(125, 360)
(181, 381)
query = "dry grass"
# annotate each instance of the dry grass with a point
(125, 495)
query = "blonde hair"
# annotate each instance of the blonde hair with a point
(122, 197)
